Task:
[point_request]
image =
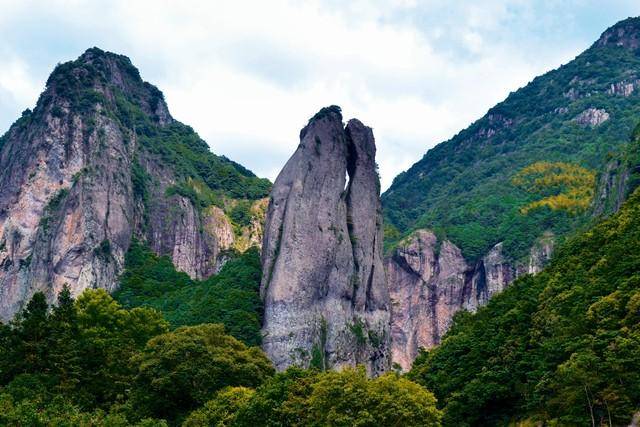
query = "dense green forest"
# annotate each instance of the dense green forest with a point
(538, 123)
(560, 347)
(230, 297)
(91, 362)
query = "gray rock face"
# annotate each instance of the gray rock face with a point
(68, 203)
(592, 117)
(325, 297)
(430, 281)
(625, 34)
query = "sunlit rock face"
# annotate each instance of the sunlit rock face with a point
(430, 281)
(325, 297)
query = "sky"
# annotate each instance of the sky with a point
(247, 75)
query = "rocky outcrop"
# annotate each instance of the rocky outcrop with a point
(624, 34)
(430, 281)
(77, 183)
(326, 302)
(592, 117)
(625, 89)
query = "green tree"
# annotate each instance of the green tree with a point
(32, 330)
(230, 297)
(348, 398)
(109, 336)
(222, 410)
(281, 400)
(312, 398)
(181, 370)
(64, 357)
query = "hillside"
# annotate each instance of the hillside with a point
(567, 126)
(100, 161)
(560, 347)
(492, 203)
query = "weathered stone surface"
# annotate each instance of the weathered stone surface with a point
(592, 117)
(624, 34)
(67, 205)
(326, 300)
(625, 89)
(429, 281)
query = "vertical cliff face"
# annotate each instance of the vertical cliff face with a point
(325, 296)
(88, 169)
(430, 281)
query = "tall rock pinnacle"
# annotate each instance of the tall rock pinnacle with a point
(324, 290)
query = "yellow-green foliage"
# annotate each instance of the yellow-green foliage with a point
(563, 186)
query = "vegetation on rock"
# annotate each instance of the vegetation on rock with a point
(561, 186)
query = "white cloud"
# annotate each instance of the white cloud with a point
(248, 74)
(16, 82)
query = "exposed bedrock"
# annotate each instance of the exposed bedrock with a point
(326, 300)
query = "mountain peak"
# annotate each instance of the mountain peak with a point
(332, 112)
(625, 33)
(110, 74)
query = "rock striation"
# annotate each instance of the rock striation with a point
(326, 302)
(430, 281)
(82, 174)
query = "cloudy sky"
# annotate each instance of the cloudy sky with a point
(247, 75)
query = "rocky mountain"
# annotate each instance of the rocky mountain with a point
(488, 205)
(326, 302)
(100, 160)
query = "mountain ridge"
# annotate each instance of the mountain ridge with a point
(539, 166)
(99, 161)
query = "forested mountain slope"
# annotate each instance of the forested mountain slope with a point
(577, 117)
(491, 204)
(560, 347)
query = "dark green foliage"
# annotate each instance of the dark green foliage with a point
(76, 353)
(462, 188)
(91, 362)
(559, 347)
(223, 410)
(180, 370)
(103, 249)
(140, 180)
(318, 353)
(310, 398)
(326, 112)
(323, 113)
(56, 200)
(631, 162)
(230, 297)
